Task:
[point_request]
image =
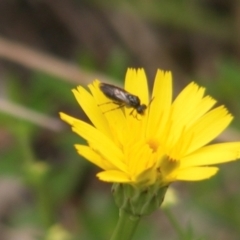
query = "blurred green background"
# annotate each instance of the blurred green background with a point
(49, 47)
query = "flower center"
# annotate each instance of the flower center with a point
(153, 144)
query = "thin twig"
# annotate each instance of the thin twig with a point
(29, 115)
(36, 60)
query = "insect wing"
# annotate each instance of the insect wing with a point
(114, 93)
(121, 96)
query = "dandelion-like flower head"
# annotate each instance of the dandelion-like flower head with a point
(165, 144)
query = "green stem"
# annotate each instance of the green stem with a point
(45, 205)
(126, 226)
(174, 223)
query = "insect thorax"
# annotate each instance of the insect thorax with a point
(134, 101)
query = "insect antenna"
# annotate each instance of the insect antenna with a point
(150, 103)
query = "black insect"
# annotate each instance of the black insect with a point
(122, 98)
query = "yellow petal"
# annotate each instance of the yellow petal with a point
(196, 173)
(202, 107)
(186, 102)
(187, 108)
(207, 128)
(101, 143)
(160, 104)
(70, 120)
(139, 158)
(94, 157)
(89, 106)
(136, 83)
(187, 99)
(212, 154)
(114, 176)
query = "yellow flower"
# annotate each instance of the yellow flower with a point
(166, 144)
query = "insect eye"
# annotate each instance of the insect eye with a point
(141, 109)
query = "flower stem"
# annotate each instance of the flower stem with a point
(174, 223)
(126, 226)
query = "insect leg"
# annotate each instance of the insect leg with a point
(104, 103)
(131, 113)
(136, 115)
(119, 106)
